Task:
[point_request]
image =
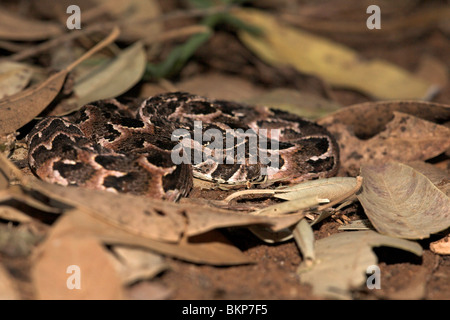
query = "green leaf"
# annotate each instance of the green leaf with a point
(336, 64)
(181, 54)
(177, 58)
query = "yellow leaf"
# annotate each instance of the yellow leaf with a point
(73, 267)
(127, 69)
(333, 62)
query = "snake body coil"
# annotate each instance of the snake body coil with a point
(111, 146)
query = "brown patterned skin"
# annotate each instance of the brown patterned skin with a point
(127, 148)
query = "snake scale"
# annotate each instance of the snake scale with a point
(130, 148)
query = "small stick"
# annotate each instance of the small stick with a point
(110, 38)
(178, 33)
(26, 53)
(56, 42)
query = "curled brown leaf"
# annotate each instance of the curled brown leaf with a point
(401, 202)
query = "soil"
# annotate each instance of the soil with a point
(273, 275)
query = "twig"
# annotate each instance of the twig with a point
(11, 46)
(178, 33)
(109, 39)
(109, 25)
(56, 42)
(178, 14)
(96, 12)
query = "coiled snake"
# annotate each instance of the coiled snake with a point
(111, 146)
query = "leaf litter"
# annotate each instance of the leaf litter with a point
(19, 28)
(128, 67)
(132, 239)
(342, 260)
(13, 77)
(22, 107)
(333, 62)
(100, 279)
(395, 130)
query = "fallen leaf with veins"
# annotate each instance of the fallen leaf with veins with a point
(404, 138)
(22, 107)
(208, 248)
(401, 202)
(343, 258)
(14, 77)
(281, 45)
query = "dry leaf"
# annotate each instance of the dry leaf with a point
(301, 103)
(8, 290)
(441, 246)
(14, 77)
(19, 109)
(63, 262)
(367, 119)
(306, 196)
(11, 193)
(9, 173)
(158, 219)
(17, 241)
(304, 238)
(343, 258)
(439, 177)
(345, 20)
(220, 86)
(15, 192)
(389, 131)
(112, 78)
(155, 219)
(3, 180)
(340, 66)
(126, 228)
(136, 16)
(433, 70)
(12, 214)
(149, 291)
(208, 248)
(134, 264)
(331, 189)
(407, 138)
(19, 28)
(401, 202)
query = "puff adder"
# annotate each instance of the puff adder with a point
(112, 146)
